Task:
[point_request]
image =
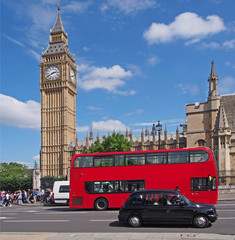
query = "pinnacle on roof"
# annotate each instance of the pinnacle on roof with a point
(58, 27)
(213, 74)
(221, 122)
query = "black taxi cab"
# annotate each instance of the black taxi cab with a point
(165, 207)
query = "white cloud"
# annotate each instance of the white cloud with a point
(37, 157)
(110, 79)
(227, 85)
(35, 54)
(137, 112)
(93, 108)
(76, 6)
(128, 6)
(103, 126)
(229, 64)
(168, 122)
(188, 26)
(20, 114)
(188, 89)
(81, 129)
(229, 44)
(108, 125)
(17, 42)
(153, 60)
(211, 45)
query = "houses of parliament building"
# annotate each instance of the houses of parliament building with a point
(210, 123)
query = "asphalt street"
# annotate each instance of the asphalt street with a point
(55, 222)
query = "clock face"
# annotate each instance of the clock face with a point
(72, 75)
(52, 73)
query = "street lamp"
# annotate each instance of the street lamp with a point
(159, 129)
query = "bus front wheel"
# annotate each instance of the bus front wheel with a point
(101, 204)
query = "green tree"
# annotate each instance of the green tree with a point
(14, 176)
(48, 181)
(114, 143)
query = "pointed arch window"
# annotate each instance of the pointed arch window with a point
(200, 142)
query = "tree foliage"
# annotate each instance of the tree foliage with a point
(48, 181)
(114, 143)
(14, 176)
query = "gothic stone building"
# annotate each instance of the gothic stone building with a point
(212, 124)
(58, 103)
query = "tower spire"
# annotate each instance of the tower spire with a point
(58, 4)
(213, 79)
(213, 74)
(58, 27)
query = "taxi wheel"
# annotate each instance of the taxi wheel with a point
(101, 204)
(200, 221)
(135, 221)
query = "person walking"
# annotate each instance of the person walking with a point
(8, 200)
(20, 198)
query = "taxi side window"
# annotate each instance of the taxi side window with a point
(137, 200)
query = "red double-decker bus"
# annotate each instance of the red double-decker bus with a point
(105, 180)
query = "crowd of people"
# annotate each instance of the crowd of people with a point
(24, 197)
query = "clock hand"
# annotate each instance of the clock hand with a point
(51, 73)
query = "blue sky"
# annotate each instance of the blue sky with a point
(139, 61)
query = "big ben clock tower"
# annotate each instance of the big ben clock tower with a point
(58, 86)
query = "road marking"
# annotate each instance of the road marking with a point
(3, 218)
(30, 211)
(55, 213)
(110, 220)
(8, 213)
(226, 218)
(225, 204)
(225, 210)
(33, 221)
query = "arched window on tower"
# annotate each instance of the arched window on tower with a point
(200, 143)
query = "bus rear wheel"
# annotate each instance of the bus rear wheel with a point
(101, 204)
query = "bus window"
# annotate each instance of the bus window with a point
(118, 186)
(119, 160)
(156, 158)
(135, 159)
(135, 185)
(103, 161)
(198, 184)
(178, 157)
(103, 187)
(107, 186)
(82, 162)
(198, 156)
(88, 187)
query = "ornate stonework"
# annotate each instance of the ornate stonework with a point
(212, 124)
(58, 87)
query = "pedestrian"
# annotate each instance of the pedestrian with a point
(8, 200)
(20, 198)
(3, 198)
(35, 195)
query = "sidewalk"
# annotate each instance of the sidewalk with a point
(115, 236)
(221, 197)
